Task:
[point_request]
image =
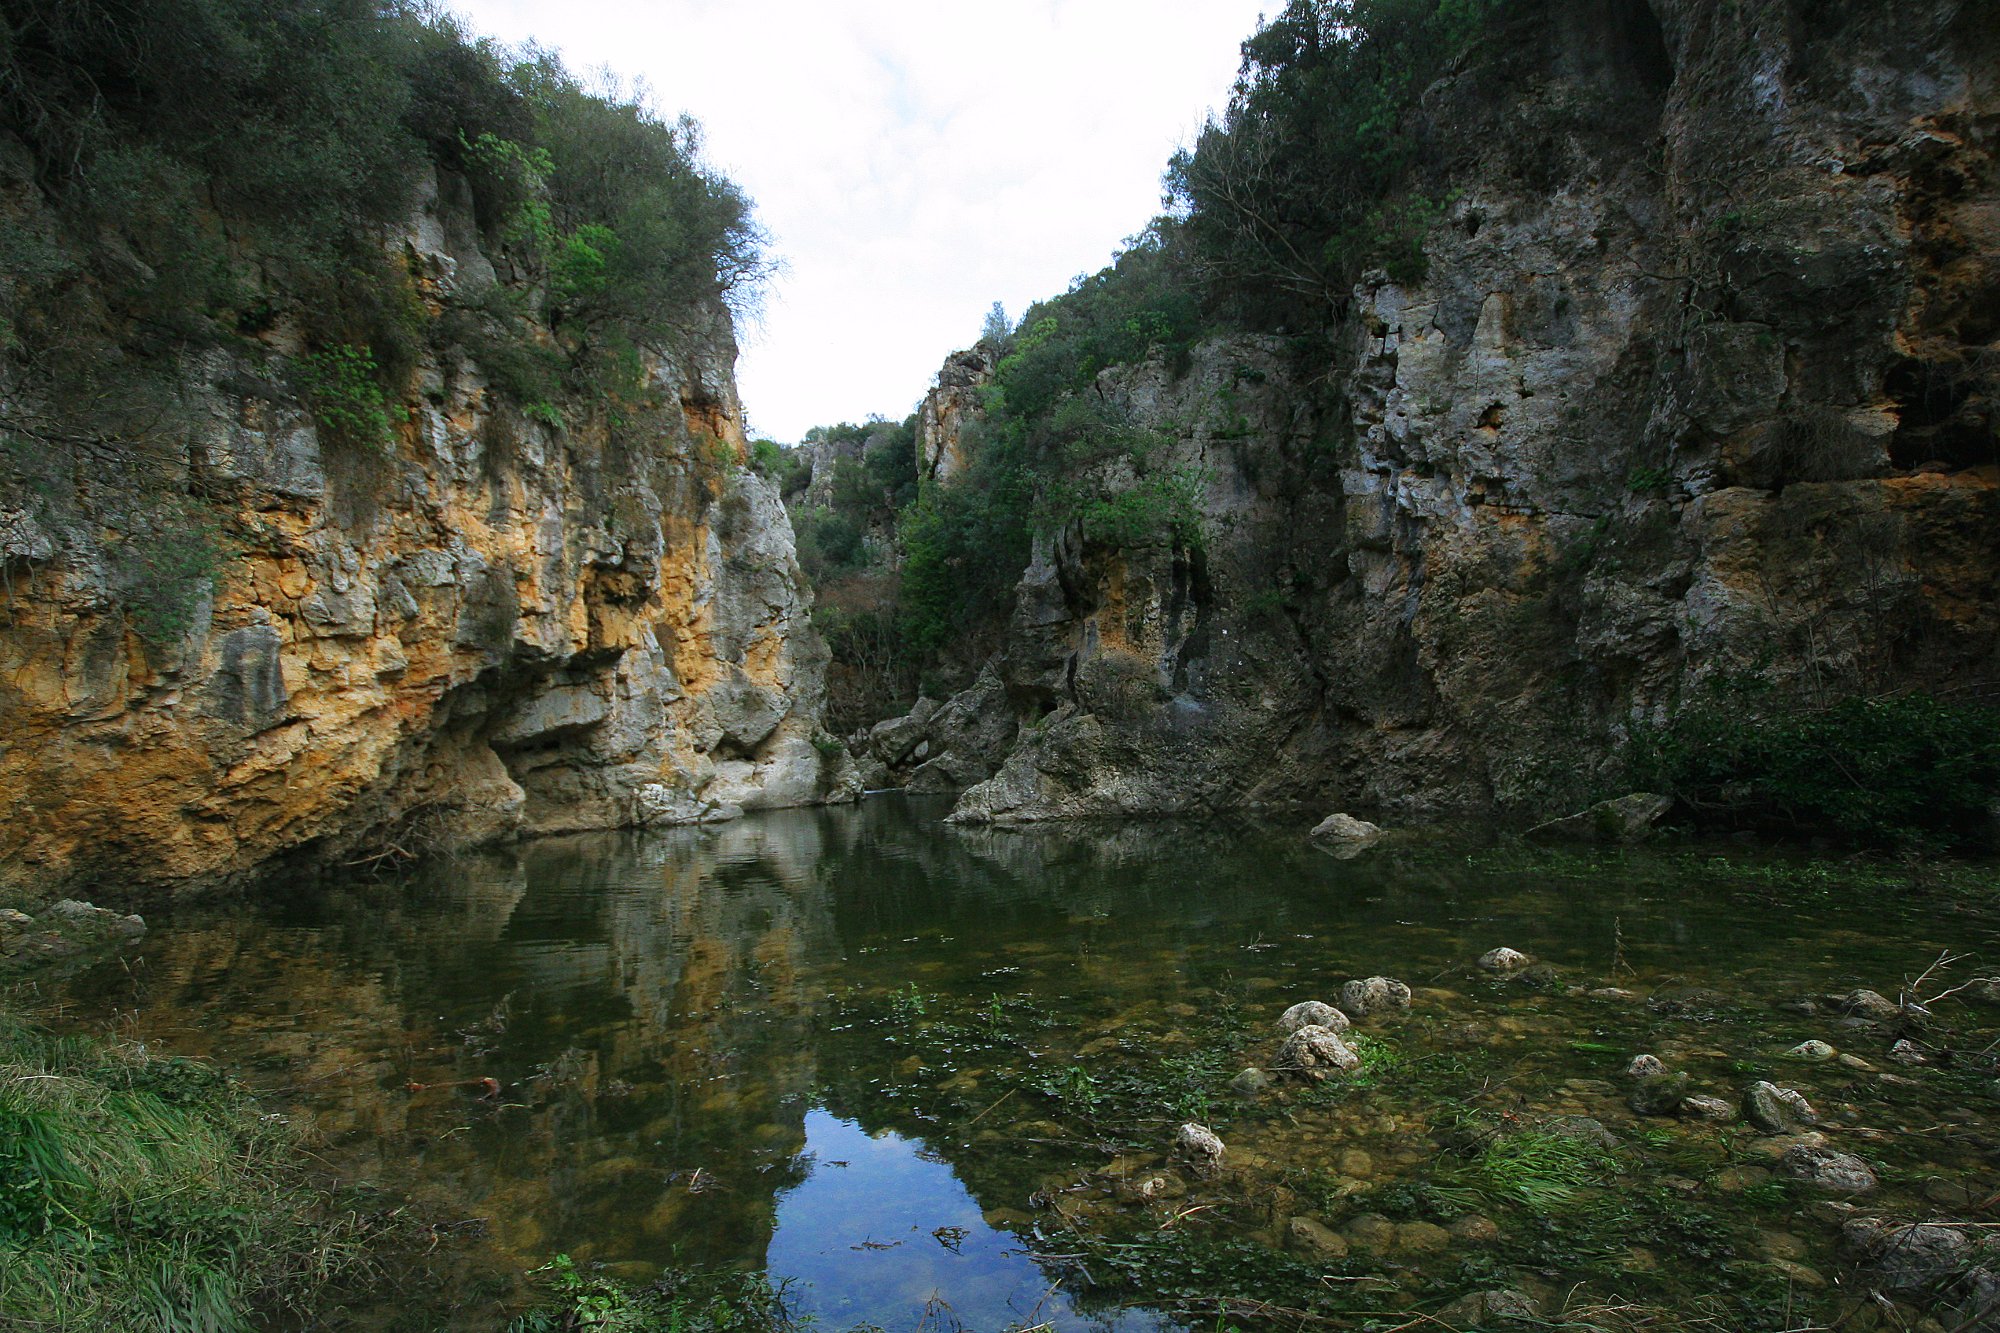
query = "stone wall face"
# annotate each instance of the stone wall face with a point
(947, 408)
(1699, 384)
(494, 626)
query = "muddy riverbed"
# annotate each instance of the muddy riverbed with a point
(924, 1076)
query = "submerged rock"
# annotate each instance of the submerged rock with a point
(1624, 819)
(1315, 1239)
(1903, 1255)
(1688, 1002)
(1200, 1147)
(1704, 1107)
(1313, 1052)
(1645, 1066)
(1251, 1082)
(1583, 1128)
(1374, 995)
(1823, 1168)
(1871, 1005)
(1474, 1229)
(1504, 960)
(1907, 1052)
(1484, 1308)
(1658, 1094)
(1812, 1050)
(1777, 1110)
(1311, 1013)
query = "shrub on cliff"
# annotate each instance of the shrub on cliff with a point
(1309, 176)
(1899, 770)
(208, 166)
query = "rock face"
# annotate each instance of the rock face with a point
(1642, 426)
(493, 625)
(942, 444)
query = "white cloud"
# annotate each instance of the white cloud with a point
(914, 162)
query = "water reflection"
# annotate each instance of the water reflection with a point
(882, 1224)
(657, 1014)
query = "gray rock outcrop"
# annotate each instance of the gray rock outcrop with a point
(1639, 428)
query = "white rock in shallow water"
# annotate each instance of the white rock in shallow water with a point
(1345, 828)
(1812, 1050)
(1374, 995)
(1907, 1052)
(1312, 1053)
(1504, 960)
(1314, 1013)
(1703, 1107)
(1199, 1146)
(1645, 1066)
(1823, 1168)
(1777, 1110)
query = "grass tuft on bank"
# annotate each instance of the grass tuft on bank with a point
(143, 1192)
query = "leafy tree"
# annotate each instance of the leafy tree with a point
(1309, 175)
(996, 326)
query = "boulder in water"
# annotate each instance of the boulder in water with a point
(1314, 1013)
(1200, 1147)
(1777, 1110)
(1312, 1053)
(1373, 995)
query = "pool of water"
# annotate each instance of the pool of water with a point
(929, 1077)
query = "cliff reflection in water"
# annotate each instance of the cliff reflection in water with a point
(643, 1003)
(663, 1013)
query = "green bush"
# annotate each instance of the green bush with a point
(1310, 175)
(347, 402)
(211, 165)
(1905, 769)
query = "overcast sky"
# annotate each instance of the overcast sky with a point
(914, 160)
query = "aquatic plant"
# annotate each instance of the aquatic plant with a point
(681, 1300)
(1542, 1172)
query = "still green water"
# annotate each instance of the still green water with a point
(922, 1074)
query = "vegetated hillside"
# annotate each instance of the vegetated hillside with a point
(370, 459)
(1523, 401)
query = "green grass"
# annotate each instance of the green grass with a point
(1544, 1173)
(146, 1193)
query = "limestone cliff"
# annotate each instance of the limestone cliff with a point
(947, 408)
(496, 624)
(1699, 382)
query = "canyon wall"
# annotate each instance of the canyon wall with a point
(494, 624)
(1698, 386)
